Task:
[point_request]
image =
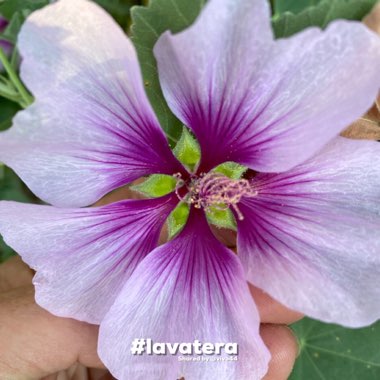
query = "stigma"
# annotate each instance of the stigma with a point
(215, 191)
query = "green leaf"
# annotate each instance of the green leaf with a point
(5, 251)
(119, 10)
(9, 92)
(294, 6)
(9, 7)
(222, 218)
(321, 15)
(148, 23)
(231, 170)
(187, 149)
(7, 110)
(157, 185)
(332, 352)
(177, 219)
(25, 99)
(16, 11)
(13, 28)
(11, 187)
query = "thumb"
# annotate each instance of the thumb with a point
(34, 343)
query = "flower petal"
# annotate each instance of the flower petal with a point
(91, 128)
(83, 256)
(269, 104)
(310, 238)
(190, 288)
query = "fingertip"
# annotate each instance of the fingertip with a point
(40, 343)
(283, 346)
(272, 311)
(14, 273)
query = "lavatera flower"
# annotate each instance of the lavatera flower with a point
(308, 216)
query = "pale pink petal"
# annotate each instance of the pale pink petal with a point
(310, 238)
(83, 257)
(91, 128)
(267, 104)
(190, 288)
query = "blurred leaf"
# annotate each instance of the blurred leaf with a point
(7, 88)
(332, 352)
(148, 24)
(5, 251)
(7, 110)
(119, 10)
(11, 31)
(156, 185)
(294, 6)
(177, 219)
(320, 15)
(11, 187)
(187, 149)
(16, 11)
(9, 7)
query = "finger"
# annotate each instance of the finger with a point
(272, 311)
(14, 273)
(80, 372)
(284, 349)
(34, 343)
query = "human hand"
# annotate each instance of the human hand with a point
(37, 345)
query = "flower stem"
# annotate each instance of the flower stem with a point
(27, 98)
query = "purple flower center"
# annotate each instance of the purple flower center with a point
(214, 191)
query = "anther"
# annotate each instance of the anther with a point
(215, 191)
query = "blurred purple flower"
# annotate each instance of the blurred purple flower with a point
(4, 44)
(308, 234)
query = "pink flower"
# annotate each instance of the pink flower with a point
(308, 222)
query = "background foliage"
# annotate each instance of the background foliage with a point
(327, 352)
(291, 16)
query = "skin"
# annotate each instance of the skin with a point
(39, 345)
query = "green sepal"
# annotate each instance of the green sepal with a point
(221, 218)
(231, 170)
(156, 185)
(177, 219)
(187, 149)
